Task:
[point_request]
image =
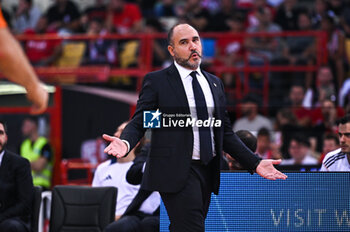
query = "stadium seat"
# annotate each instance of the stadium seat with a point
(82, 208)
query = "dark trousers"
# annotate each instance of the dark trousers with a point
(135, 223)
(188, 208)
(13, 225)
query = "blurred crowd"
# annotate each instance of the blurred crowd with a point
(302, 106)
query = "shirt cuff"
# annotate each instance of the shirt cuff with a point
(127, 144)
(143, 167)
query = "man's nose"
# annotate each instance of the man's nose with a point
(193, 46)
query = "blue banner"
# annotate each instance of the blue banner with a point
(304, 202)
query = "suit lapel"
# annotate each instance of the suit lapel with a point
(177, 85)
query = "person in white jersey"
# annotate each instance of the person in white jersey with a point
(113, 173)
(339, 159)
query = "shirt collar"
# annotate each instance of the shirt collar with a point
(184, 72)
(1, 156)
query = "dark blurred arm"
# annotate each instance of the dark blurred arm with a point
(135, 173)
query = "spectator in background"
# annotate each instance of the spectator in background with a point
(301, 50)
(62, 14)
(96, 11)
(26, 17)
(299, 150)
(165, 8)
(263, 148)
(324, 88)
(253, 14)
(287, 15)
(336, 48)
(264, 48)
(160, 56)
(194, 14)
(16, 189)
(123, 17)
(319, 11)
(227, 11)
(38, 151)
(337, 7)
(113, 173)
(339, 159)
(251, 120)
(147, 7)
(324, 120)
(330, 143)
(230, 50)
(249, 140)
(99, 51)
(42, 52)
(286, 125)
(295, 101)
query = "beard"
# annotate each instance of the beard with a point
(186, 62)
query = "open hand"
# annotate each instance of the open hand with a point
(116, 147)
(267, 170)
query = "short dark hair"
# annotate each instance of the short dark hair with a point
(264, 132)
(344, 120)
(251, 98)
(171, 31)
(332, 136)
(298, 86)
(33, 119)
(4, 124)
(301, 139)
(248, 139)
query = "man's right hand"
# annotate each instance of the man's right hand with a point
(116, 147)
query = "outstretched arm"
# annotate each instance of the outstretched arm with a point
(16, 67)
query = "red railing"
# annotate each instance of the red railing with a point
(101, 73)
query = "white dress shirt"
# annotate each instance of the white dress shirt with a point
(1, 155)
(187, 83)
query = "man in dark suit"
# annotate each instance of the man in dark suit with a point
(16, 189)
(184, 159)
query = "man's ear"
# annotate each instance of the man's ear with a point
(171, 50)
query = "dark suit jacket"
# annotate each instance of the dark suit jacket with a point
(170, 156)
(16, 187)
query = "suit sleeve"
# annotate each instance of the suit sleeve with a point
(148, 100)
(135, 174)
(24, 194)
(236, 148)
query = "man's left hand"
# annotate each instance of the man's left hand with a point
(267, 170)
